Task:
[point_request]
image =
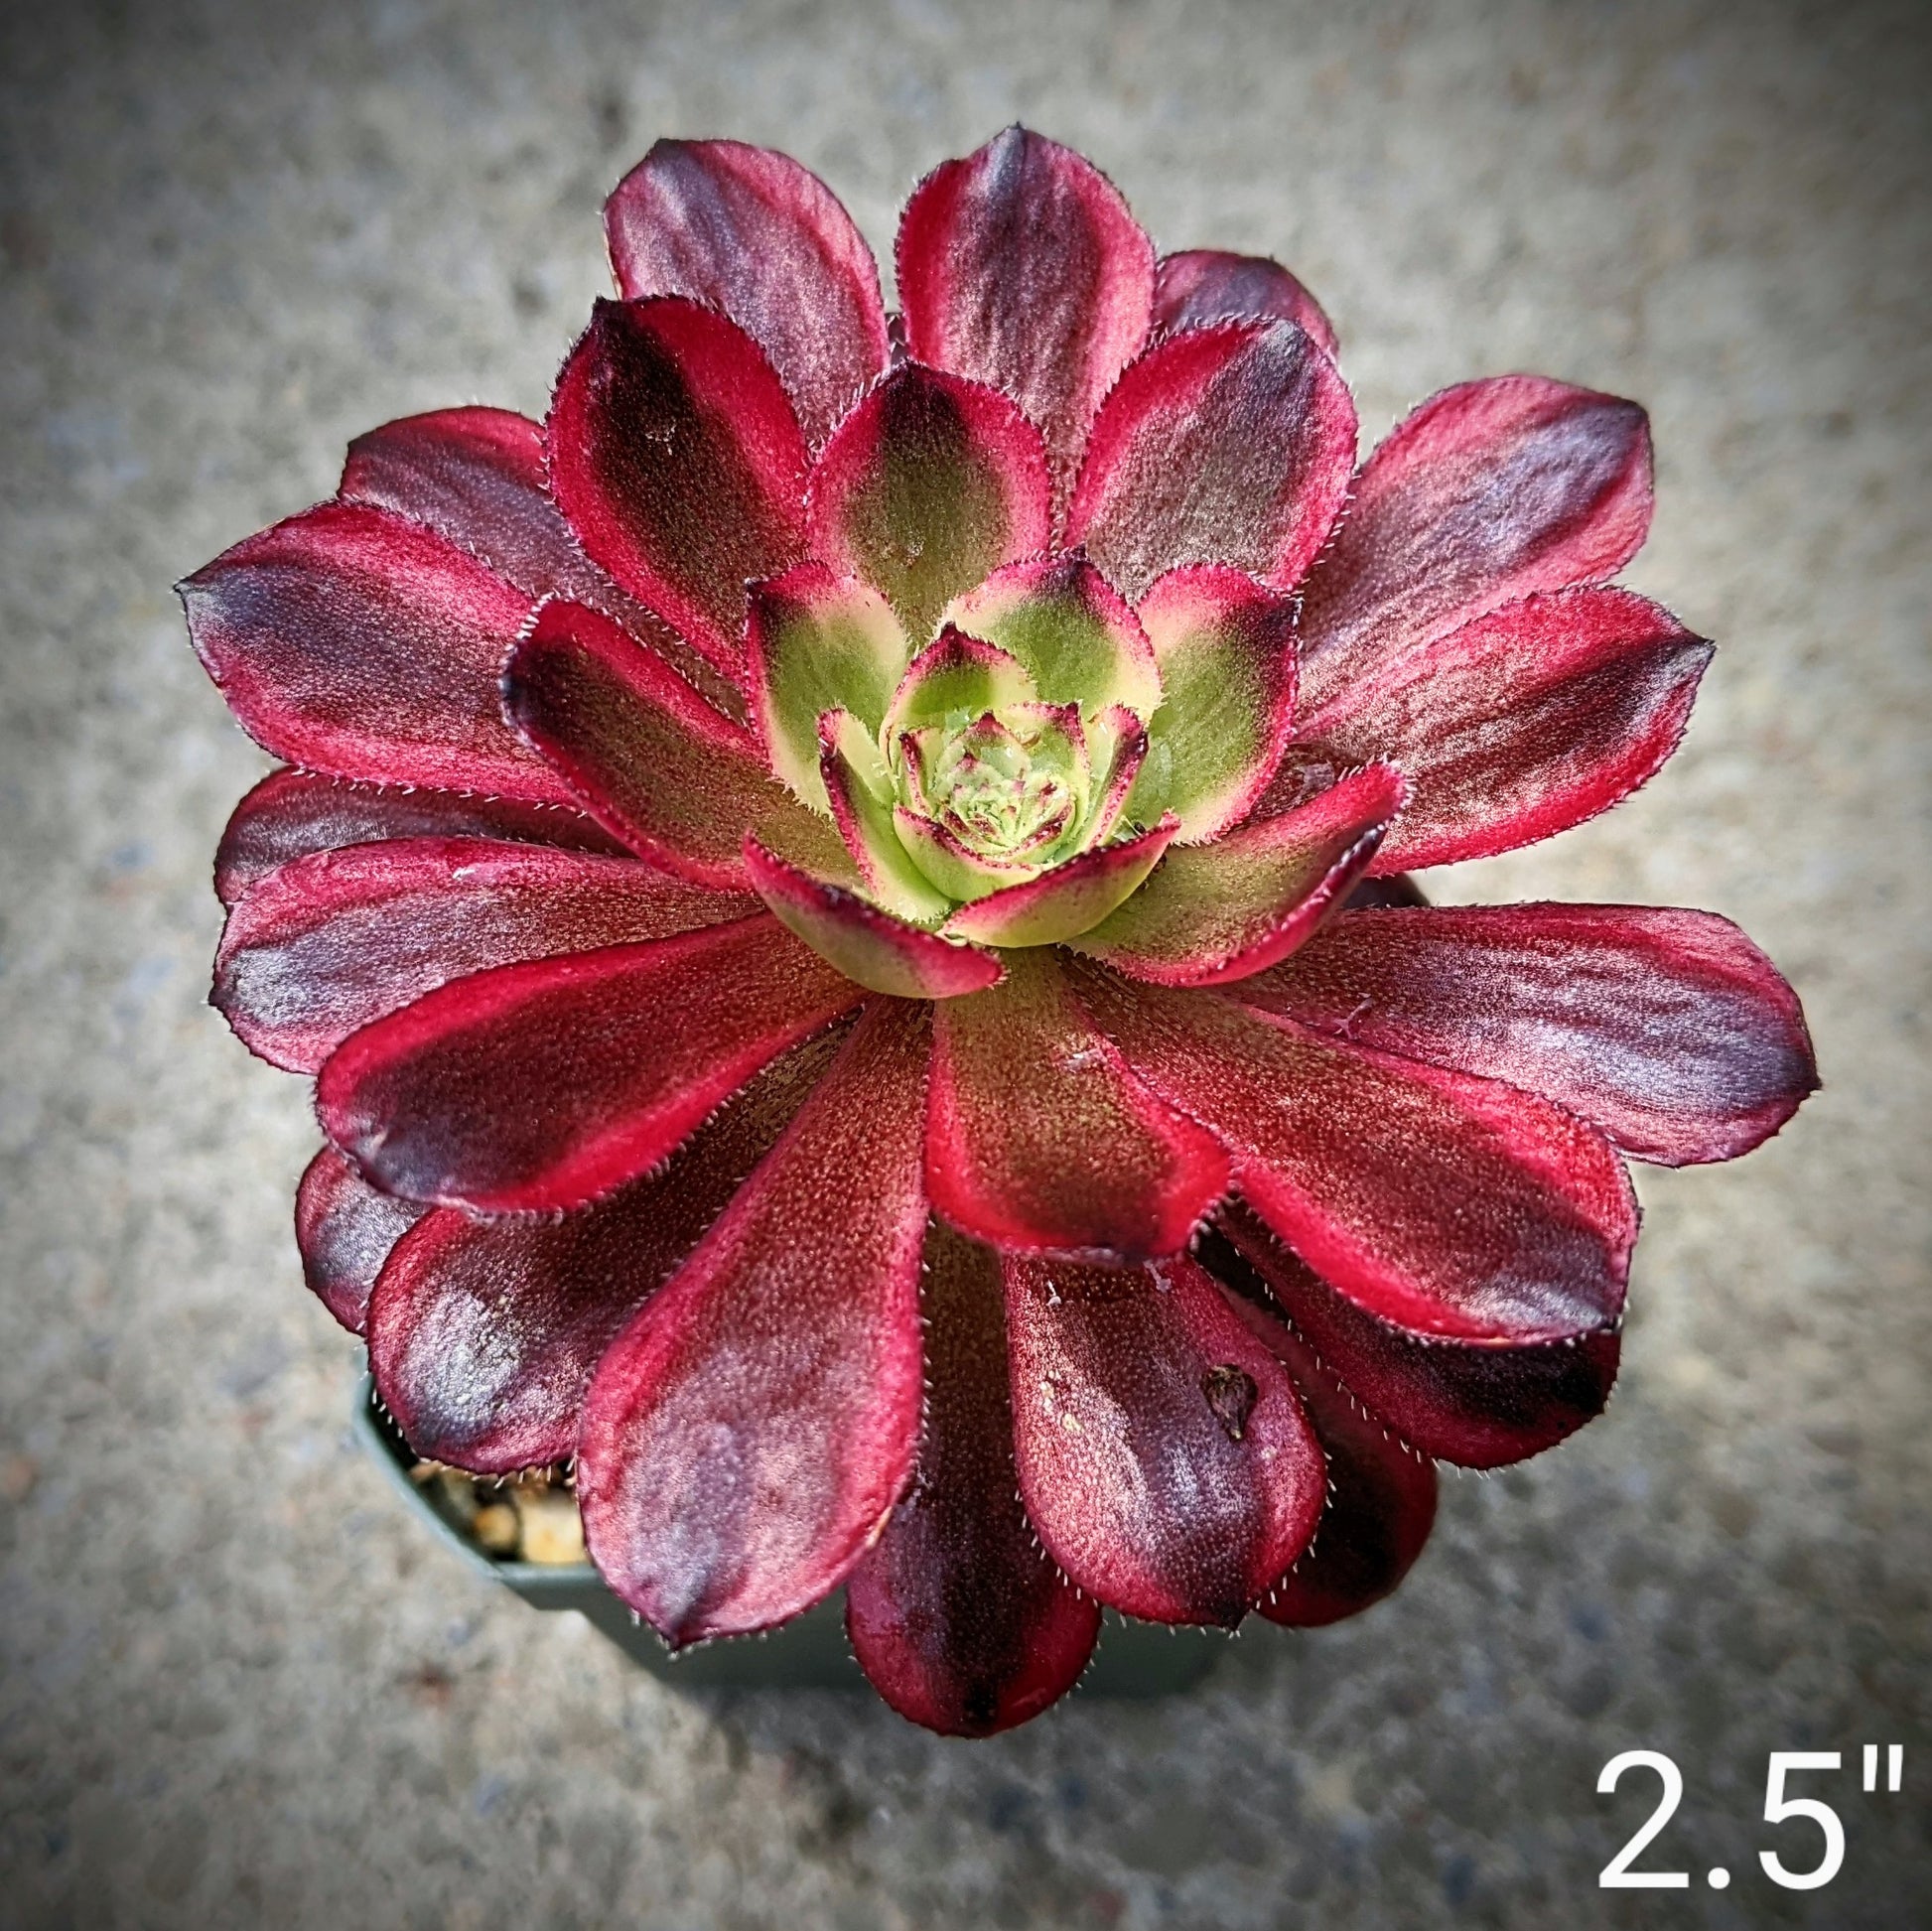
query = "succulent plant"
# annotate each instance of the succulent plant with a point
(846, 900)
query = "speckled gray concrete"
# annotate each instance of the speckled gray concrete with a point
(241, 1690)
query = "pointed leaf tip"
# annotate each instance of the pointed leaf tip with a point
(750, 232)
(1203, 286)
(1521, 724)
(930, 484)
(1040, 1139)
(1073, 897)
(675, 455)
(353, 641)
(883, 953)
(816, 643)
(1210, 914)
(1666, 1027)
(1226, 445)
(1225, 648)
(1022, 266)
(1490, 491)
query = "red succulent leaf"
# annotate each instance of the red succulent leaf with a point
(1113, 779)
(960, 1620)
(1041, 1139)
(939, 855)
(1020, 266)
(1667, 1028)
(357, 643)
(1225, 648)
(1490, 491)
(674, 452)
(1226, 445)
(1468, 1402)
(324, 946)
(1068, 627)
(1213, 913)
(865, 814)
(929, 485)
(290, 815)
(1381, 1502)
(1203, 286)
(1458, 1206)
(1163, 1453)
(817, 642)
(478, 475)
(749, 231)
(747, 1435)
(1518, 726)
(483, 1334)
(344, 1230)
(677, 781)
(1069, 899)
(957, 673)
(548, 1084)
(882, 953)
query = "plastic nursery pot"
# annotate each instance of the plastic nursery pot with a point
(1133, 1659)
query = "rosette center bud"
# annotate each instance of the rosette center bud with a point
(1000, 765)
(1006, 789)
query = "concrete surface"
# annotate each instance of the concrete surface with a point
(241, 1690)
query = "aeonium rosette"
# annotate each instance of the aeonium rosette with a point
(845, 899)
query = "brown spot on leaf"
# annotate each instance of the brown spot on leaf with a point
(1232, 1395)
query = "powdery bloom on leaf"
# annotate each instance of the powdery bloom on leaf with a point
(845, 905)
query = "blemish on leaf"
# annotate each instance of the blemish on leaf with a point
(1231, 1392)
